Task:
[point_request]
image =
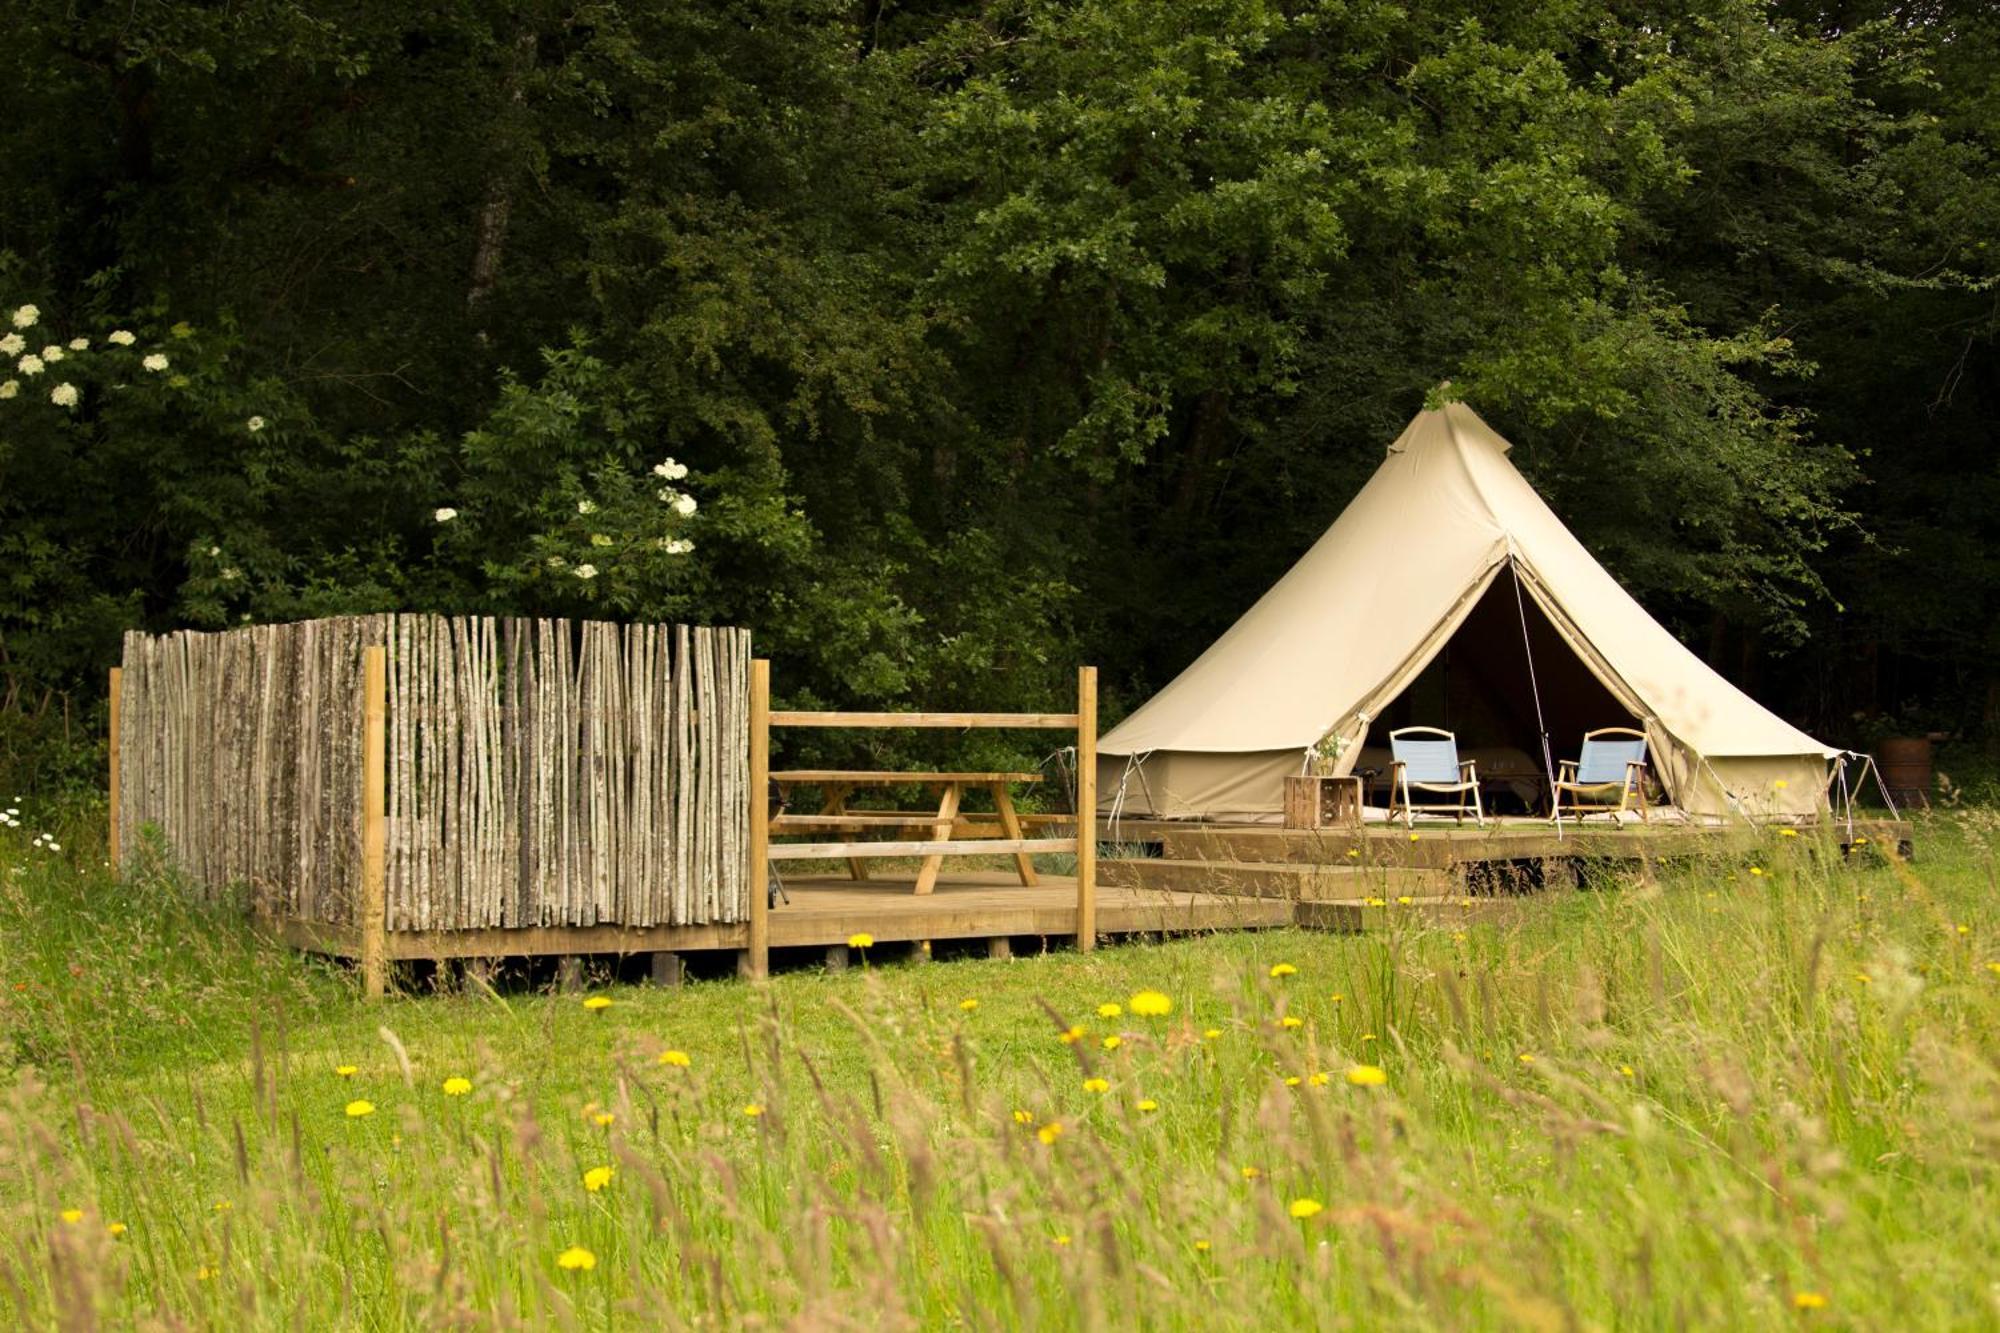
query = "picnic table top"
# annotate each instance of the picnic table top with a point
(880, 778)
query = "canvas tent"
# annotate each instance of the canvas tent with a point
(1448, 566)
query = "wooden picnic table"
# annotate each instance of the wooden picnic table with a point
(836, 785)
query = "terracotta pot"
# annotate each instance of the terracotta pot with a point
(1905, 762)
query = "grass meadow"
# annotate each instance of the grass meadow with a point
(1758, 1092)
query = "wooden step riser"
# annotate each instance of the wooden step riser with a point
(1298, 883)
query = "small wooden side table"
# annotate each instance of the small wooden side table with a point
(1313, 801)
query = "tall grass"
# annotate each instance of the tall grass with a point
(1715, 1098)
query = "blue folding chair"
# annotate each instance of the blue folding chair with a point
(1606, 768)
(1426, 759)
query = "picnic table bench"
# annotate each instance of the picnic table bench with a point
(837, 785)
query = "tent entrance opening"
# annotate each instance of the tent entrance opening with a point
(1482, 686)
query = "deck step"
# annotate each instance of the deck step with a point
(1293, 881)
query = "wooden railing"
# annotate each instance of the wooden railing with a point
(1084, 842)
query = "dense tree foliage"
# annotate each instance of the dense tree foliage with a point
(996, 336)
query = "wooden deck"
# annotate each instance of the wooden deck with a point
(1172, 878)
(826, 910)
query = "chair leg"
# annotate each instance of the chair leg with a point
(1478, 809)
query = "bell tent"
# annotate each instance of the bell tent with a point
(1449, 594)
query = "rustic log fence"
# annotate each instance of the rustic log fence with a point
(525, 773)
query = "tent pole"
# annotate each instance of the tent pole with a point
(1534, 687)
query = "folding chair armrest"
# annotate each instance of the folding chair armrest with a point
(1468, 770)
(1566, 770)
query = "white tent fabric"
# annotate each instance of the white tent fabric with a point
(1361, 614)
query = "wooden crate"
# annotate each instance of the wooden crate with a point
(1312, 801)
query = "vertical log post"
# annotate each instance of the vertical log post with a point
(117, 680)
(1086, 807)
(374, 820)
(757, 958)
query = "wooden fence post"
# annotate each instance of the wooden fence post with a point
(1086, 807)
(758, 960)
(117, 680)
(374, 820)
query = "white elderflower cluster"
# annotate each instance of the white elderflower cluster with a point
(10, 817)
(25, 317)
(29, 365)
(586, 571)
(445, 515)
(254, 424)
(63, 395)
(122, 337)
(9, 388)
(586, 506)
(13, 345)
(670, 470)
(52, 354)
(680, 501)
(676, 545)
(156, 362)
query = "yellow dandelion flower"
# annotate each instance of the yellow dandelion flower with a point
(1788, 833)
(1070, 1036)
(1060, 1238)
(1202, 1246)
(205, 1272)
(345, 1071)
(597, 1002)
(1252, 1172)
(1110, 1009)
(1210, 1034)
(72, 1214)
(860, 939)
(596, 1178)
(753, 1109)
(1282, 970)
(1151, 1004)
(1320, 1080)
(1378, 902)
(1413, 837)
(1863, 978)
(1338, 997)
(1367, 1076)
(1113, 1042)
(1293, 1080)
(1096, 1085)
(1781, 784)
(1148, 1104)
(357, 1109)
(1368, 1036)
(1994, 968)
(1405, 900)
(117, 1228)
(457, 1087)
(1757, 870)
(1291, 1021)
(1861, 842)
(1964, 929)
(1024, 1117)
(1050, 1132)
(1525, 1058)
(224, 1206)
(1808, 1300)
(678, 1059)
(1626, 1070)
(968, 1004)
(1353, 851)
(1304, 1208)
(603, 1119)
(576, 1258)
